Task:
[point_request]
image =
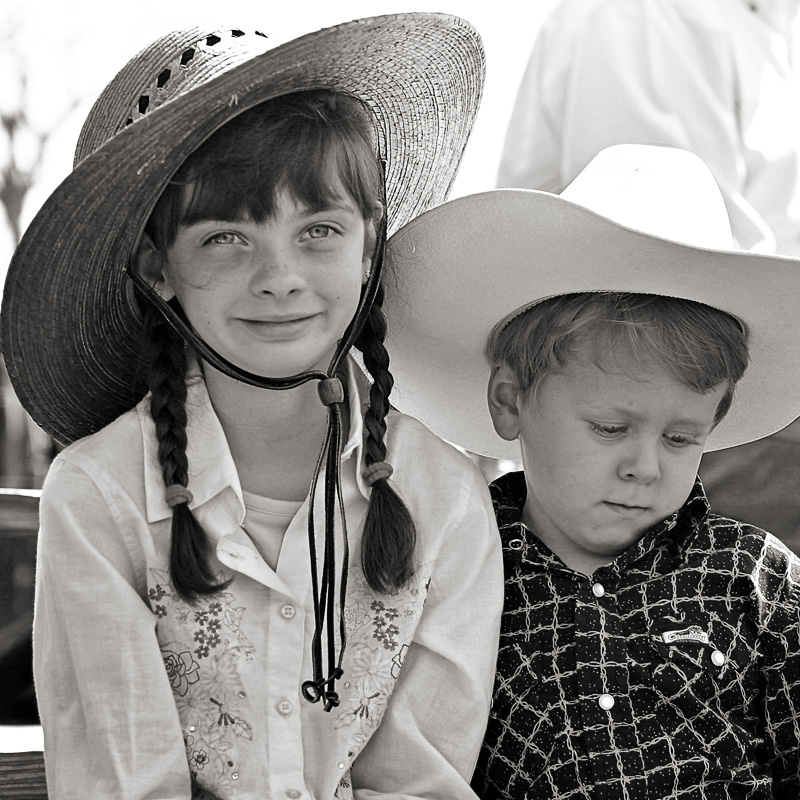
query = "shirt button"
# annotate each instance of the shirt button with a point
(284, 707)
(340, 765)
(606, 702)
(288, 611)
(598, 590)
(235, 776)
(717, 658)
(293, 793)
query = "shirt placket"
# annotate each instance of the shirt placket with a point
(603, 684)
(285, 652)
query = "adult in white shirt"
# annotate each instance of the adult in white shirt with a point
(714, 77)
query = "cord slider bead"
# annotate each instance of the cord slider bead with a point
(330, 391)
(374, 472)
(177, 494)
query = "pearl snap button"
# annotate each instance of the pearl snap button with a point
(606, 702)
(284, 707)
(598, 590)
(235, 776)
(293, 793)
(717, 658)
(341, 765)
(515, 544)
(288, 611)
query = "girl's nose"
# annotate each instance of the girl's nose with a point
(275, 273)
(640, 463)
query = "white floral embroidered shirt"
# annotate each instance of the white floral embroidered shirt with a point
(143, 696)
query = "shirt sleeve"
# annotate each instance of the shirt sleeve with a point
(779, 578)
(427, 744)
(605, 72)
(109, 719)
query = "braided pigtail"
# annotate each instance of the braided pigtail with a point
(190, 571)
(387, 549)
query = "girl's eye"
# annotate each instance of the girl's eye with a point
(608, 431)
(224, 237)
(680, 440)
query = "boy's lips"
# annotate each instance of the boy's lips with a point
(626, 510)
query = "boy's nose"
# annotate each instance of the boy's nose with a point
(640, 463)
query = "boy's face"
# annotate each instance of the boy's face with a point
(606, 455)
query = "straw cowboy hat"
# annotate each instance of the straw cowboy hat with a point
(69, 320)
(639, 218)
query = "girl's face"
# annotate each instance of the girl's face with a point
(273, 297)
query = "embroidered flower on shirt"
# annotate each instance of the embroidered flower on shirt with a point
(156, 593)
(385, 632)
(356, 616)
(371, 671)
(397, 661)
(181, 670)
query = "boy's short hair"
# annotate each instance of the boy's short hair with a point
(696, 344)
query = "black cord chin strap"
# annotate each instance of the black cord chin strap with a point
(322, 686)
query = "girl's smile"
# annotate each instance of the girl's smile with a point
(274, 297)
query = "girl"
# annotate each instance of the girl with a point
(201, 627)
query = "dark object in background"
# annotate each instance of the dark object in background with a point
(759, 483)
(19, 524)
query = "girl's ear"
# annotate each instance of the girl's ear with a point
(370, 240)
(504, 403)
(149, 263)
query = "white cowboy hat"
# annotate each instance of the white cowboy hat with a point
(639, 218)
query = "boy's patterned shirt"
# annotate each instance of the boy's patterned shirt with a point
(673, 672)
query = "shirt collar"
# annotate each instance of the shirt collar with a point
(211, 467)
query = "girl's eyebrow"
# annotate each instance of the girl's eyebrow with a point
(342, 205)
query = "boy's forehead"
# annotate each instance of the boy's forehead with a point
(633, 388)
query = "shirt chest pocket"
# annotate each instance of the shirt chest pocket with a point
(706, 682)
(705, 656)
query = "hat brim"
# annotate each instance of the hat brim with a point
(468, 264)
(69, 324)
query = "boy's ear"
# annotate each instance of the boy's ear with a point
(504, 403)
(149, 263)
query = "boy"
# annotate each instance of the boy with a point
(649, 648)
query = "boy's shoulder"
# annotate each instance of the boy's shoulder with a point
(750, 545)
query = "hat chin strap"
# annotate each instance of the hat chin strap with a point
(331, 392)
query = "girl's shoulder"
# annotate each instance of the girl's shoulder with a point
(119, 442)
(419, 456)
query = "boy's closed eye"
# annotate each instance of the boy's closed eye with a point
(674, 439)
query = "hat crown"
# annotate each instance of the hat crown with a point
(172, 65)
(661, 191)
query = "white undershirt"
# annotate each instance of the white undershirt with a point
(266, 521)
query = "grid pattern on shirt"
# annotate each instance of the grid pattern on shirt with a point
(673, 672)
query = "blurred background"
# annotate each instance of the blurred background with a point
(55, 58)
